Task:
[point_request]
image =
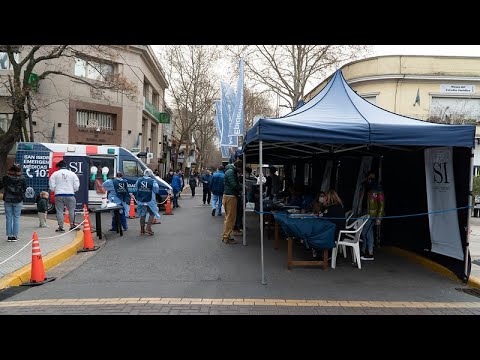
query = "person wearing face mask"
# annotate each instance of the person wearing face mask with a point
(318, 205)
(373, 204)
(334, 210)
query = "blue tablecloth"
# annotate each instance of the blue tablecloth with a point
(318, 233)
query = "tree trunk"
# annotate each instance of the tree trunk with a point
(30, 121)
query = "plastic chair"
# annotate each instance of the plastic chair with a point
(348, 241)
(348, 226)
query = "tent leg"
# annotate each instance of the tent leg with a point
(469, 215)
(261, 211)
(244, 193)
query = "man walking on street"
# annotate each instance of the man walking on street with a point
(230, 195)
(216, 185)
(206, 188)
(64, 183)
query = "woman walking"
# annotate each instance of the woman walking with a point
(14, 185)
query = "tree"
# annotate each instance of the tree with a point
(255, 104)
(189, 70)
(288, 69)
(37, 63)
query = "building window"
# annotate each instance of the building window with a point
(455, 110)
(371, 99)
(132, 168)
(147, 90)
(156, 100)
(5, 120)
(94, 119)
(93, 70)
(5, 61)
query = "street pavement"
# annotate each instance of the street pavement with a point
(186, 269)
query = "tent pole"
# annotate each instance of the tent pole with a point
(261, 210)
(243, 201)
(380, 168)
(469, 215)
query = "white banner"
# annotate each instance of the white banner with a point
(326, 176)
(365, 167)
(444, 230)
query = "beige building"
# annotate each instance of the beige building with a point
(444, 88)
(70, 111)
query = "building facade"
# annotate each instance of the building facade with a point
(441, 88)
(70, 111)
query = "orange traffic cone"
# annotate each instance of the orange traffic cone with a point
(87, 233)
(66, 217)
(37, 276)
(131, 213)
(168, 207)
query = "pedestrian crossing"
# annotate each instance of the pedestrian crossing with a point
(2, 208)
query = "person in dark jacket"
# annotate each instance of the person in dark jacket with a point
(169, 177)
(42, 207)
(216, 185)
(205, 179)
(192, 181)
(232, 191)
(14, 185)
(335, 209)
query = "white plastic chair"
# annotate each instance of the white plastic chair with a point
(348, 226)
(345, 239)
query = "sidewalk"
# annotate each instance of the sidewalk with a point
(14, 270)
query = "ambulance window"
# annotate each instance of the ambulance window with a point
(132, 168)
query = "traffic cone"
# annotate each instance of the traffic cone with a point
(131, 213)
(87, 233)
(66, 217)
(168, 208)
(37, 276)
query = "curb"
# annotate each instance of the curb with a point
(430, 264)
(54, 258)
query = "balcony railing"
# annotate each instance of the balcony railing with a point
(163, 118)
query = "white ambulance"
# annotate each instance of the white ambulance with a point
(92, 163)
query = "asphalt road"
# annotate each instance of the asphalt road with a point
(186, 259)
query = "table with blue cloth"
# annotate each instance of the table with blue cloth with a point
(316, 233)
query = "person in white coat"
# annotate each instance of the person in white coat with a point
(64, 183)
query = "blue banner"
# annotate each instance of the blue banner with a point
(236, 128)
(218, 119)
(80, 166)
(228, 103)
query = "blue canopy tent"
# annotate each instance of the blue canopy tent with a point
(338, 122)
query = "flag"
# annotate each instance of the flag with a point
(417, 99)
(228, 102)
(236, 129)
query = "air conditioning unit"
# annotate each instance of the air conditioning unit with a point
(149, 157)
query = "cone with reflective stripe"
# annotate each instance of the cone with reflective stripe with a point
(87, 233)
(168, 207)
(131, 213)
(37, 276)
(66, 217)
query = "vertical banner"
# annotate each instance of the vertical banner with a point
(444, 230)
(79, 165)
(238, 111)
(228, 102)
(327, 174)
(365, 167)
